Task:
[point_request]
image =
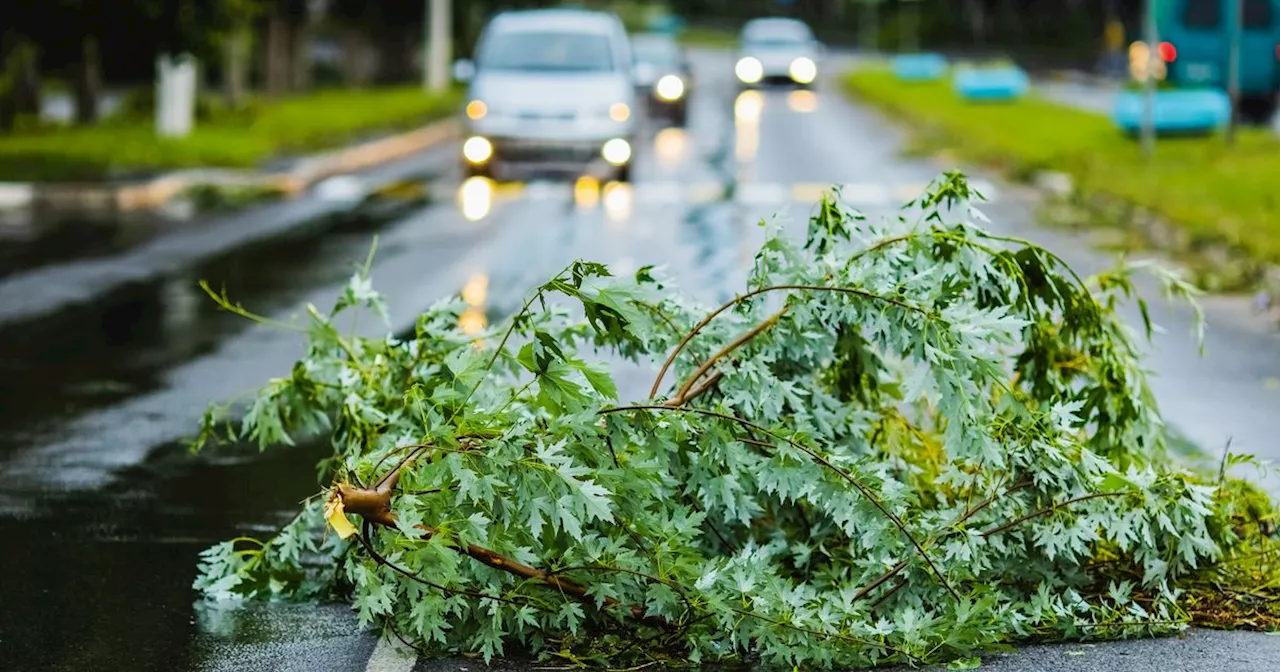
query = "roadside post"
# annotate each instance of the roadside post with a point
(175, 95)
(1233, 69)
(438, 47)
(1152, 38)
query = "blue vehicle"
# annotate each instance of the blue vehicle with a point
(1196, 46)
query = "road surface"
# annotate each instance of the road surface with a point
(103, 512)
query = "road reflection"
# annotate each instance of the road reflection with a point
(802, 101)
(475, 198)
(746, 121)
(618, 201)
(473, 320)
(669, 145)
(586, 192)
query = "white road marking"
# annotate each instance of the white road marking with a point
(761, 193)
(391, 657)
(661, 192)
(16, 195)
(862, 194)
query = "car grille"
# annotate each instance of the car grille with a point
(547, 115)
(531, 151)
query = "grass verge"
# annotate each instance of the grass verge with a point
(708, 38)
(309, 122)
(1217, 196)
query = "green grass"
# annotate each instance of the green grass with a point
(310, 122)
(1217, 194)
(712, 38)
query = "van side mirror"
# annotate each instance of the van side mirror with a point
(464, 70)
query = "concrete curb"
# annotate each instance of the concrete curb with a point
(156, 192)
(36, 295)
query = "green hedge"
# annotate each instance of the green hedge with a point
(1217, 194)
(305, 123)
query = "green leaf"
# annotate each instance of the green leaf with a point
(970, 663)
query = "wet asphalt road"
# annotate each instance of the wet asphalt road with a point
(103, 512)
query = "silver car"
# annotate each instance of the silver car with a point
(777, 50)
(550, 90)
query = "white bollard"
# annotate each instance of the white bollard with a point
(175, 95)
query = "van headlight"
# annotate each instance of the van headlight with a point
(616, 151)
(477, 149)
(803, 70)
(749, 70)
(669, 88)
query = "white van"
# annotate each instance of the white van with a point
(550, 90)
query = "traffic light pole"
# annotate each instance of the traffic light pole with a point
(1233, 68)
(1152, 38)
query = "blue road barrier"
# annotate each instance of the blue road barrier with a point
(1178, 111)
(1001, 83)
(666, 23)
(919, 67)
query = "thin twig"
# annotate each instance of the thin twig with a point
(364, 538)
(707, 385)
(832, 635)
(969, 513)
(1048, 509)
(888, 594)
(682, 395)
(756, 292)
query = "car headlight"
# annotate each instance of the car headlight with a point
(803, 70)
(619, 112)
(669, 87)
(476, 109)
(749, 70)
(477, 150)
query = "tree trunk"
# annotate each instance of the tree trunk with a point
(300, 56)
(88, 82)
(359, 62)
(19, 80)
(235, 67)
(977, 12)
(277, 53)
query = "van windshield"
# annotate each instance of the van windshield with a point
(775, 33)
(1209, 14)
(547, 51)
